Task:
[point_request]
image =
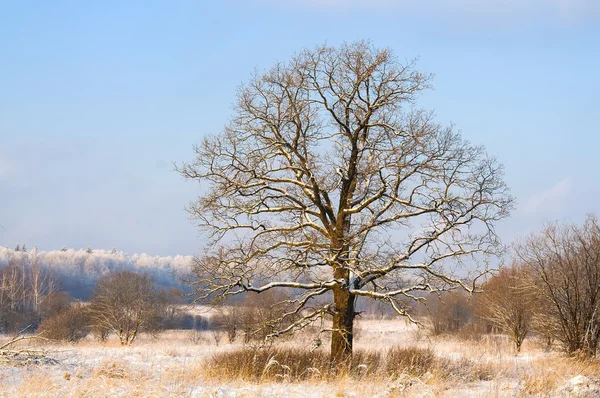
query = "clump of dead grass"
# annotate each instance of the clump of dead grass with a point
(112, 370)
(410, 360)
(284, 364)
(294, 364)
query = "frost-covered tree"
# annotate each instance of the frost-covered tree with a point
(25, 284)
(42, 282)
(330, 183)
(77, 271)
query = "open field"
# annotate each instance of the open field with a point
(174, 364)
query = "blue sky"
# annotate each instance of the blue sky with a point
(97, 99)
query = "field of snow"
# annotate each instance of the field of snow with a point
(173, 363)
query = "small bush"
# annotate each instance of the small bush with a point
(228, 322)
(177, 321)
(70, 325)
(449, 313)
(54, 303)
(473, 331)
(16, 320)
(128, 304)
(195, 337)
(254, 318)
(100, 332)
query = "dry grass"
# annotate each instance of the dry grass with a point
(297, 364)
(392, 359)
(112, 370)
(546, 375)
(410, 360)
(258, 365)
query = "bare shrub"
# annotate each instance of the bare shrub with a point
(507, 303)
(100, 332)
(180, 320)
(449, 312)
(195, 337)
(473, 331)
(227, 320)
(564, 262)
(70, 325)
(263, 315)
(126, 303)
(174, 315)
(255, 318)
(55, 302)
(217, 336)
(418, 334)
(12, 321)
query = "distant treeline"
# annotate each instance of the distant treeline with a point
(77, 271)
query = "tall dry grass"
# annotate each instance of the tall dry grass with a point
(291, 364)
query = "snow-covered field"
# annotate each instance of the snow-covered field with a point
(172, 365)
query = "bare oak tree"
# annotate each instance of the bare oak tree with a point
(329, 183)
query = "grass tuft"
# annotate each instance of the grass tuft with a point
(112, 370)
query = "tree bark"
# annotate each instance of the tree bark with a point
(343, 320)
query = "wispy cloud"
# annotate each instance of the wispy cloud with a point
(551, 200)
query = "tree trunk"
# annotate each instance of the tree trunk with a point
(343, 319)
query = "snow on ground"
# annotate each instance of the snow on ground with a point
(171, 365)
